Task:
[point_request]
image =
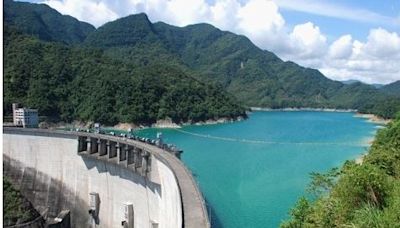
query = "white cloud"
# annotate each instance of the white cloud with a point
(341, 48)
(383, 44)
(260, 16)
(93, 12)
(308, 40)
(261, 21)
(225, 14)
(184, 12)
(373, 60)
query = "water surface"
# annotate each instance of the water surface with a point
(252, 172)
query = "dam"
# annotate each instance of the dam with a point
(102, 180)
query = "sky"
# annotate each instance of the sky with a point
(344, 39)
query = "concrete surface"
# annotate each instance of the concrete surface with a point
(52, 173)
(55, 176)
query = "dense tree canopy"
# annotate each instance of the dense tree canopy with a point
(72, 83)
(392, 89)
(45, 23)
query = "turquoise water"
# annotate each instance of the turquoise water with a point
(252, 172)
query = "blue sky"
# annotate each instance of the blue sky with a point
(335, 27)
(344, 39)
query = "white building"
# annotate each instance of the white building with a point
(25, 117)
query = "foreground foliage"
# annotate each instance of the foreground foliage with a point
(360, 195)
(16, 208)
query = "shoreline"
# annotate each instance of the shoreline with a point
(301, 109)
(168, 123)
(165, 123)
(372, 118)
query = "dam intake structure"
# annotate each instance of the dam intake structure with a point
(104, 181)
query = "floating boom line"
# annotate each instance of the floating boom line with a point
(268, 142)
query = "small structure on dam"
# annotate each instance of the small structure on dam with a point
(24, 117)
(97, 180)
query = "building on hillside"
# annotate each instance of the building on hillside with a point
(25, 117)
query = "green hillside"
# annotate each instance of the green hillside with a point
(256, 77)
(71, 83)
(44, 22)
(357, 195)
(392, 88)
(201, 52)
(133, 40)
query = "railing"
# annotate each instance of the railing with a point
(9, 119)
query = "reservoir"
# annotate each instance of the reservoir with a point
(252, 172)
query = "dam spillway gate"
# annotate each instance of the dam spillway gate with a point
(128, 156)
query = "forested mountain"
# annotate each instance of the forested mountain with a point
(357, 195)
(350, 81)
(136, 50)
(71, 83)
(366, 99)
(44, 22)
(392, 88)
(256, 77)
(133, 39)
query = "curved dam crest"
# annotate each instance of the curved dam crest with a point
(52, 174)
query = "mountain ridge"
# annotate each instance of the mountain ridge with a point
(255, 77)
(45, 22)
(392, 88)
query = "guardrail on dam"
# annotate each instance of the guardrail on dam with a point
(104, 181)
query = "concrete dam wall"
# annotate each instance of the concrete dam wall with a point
(107, 182)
